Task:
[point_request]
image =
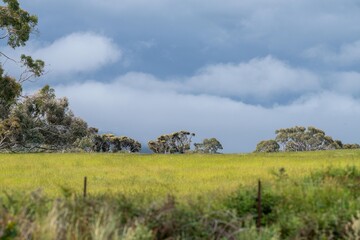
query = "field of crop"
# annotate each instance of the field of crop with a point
(159, 175)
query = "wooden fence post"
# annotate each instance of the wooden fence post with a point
(85, 186)
(259, 210)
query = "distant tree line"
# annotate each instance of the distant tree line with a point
(299, 138)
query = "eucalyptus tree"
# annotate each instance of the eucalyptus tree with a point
(10, 90)
(301, 139)
(351, 146)
(16, 26)
(111, 143)
(267, 146)
(209, 145)
(43, 122)
(177, 142)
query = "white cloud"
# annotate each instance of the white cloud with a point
(261, 78)
(79, 52)
(145, 114)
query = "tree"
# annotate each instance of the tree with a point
(10, 130)
(177, 142)
(351, 146)
(301, 139)
(126, 144)
(42, 122)
(267, 146)
(111, 143)
(211, 145)
(16, 25)
(10, 90)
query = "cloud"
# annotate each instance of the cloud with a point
(144, 115)
(143, 106)
(79, 53)
(347, 54)
(76, 53)
(200, 65)
(347, 83)
(260, 81)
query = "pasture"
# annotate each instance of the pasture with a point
(154, 176)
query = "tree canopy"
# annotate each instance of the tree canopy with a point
(16, 26)
(111, 143)
(299, 138)
(41, 121)
(177, 142)
(267, 146)
(209, 145)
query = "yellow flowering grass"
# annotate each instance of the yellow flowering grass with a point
(158, 175)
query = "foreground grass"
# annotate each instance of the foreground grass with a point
(156, 176)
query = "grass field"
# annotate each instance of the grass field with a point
(159, 175)
(215, 196)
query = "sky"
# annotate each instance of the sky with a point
(233, 70)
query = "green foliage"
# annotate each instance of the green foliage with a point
(177, 142)
(211, 145)
(302, 139)
(267, 146)
(351, 146)
(17, 25)
(42, 122)
(244, 202)
(33, 68)
(111, 143)
(138, 232)
(297, 139)
(10, 90)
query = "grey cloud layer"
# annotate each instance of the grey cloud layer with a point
(235, 70)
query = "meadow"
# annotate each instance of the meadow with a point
(306, 195)
(159, 175)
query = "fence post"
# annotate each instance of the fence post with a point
(85, 186)
(259, 210)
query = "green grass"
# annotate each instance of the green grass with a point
(158, 175)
